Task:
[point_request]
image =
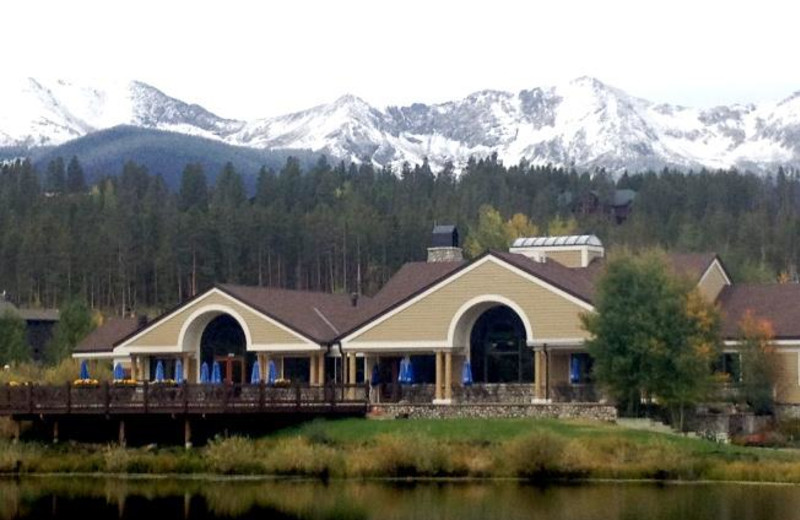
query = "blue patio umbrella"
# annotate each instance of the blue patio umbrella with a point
(574, 369)
(159, 372)
(466, 373)
(204, 373)
(216, 376)
(376, 375)
(409, 378)
(179, 371)
(401, 375)
(272, 373)
(119, 373)
(255, 375)
(84, 370)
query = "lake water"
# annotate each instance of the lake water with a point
(153, 499)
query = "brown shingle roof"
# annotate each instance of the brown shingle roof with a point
(412, 279)
(691, 265)
(39, 314)
(778, 303)
(576, 281)
(104, 337)
(315, 315)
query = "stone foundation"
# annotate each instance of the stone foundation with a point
(593, 411)
(729, 424)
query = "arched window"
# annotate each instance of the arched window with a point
(498, 350)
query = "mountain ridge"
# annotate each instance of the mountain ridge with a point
(582, 123)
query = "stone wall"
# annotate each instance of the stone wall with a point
(729, 424)
(495, 393)
(599, 412)
(787, 411)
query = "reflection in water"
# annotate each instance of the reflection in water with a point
(98, 498)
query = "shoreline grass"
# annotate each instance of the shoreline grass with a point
(525, 449)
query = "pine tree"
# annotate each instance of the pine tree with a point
(76, 182)
(56, 181)
(13, 345)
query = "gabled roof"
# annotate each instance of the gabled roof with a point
(571, 280)
(412, 279)
(39, 314)
(28, 314)
(692, 265)
(104, 337)
(318, 316)
(778, 303)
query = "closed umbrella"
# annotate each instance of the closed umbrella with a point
(84, 370)
(574, 370)
(272, 373)
(409, 372)
(204, 373)
(119, 373)
(179, 371)
(401, 376)
(159, 372)
(376, 375)
(216, 376)
(255, 375)
(466, 373)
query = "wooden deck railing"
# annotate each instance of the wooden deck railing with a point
(109, 398)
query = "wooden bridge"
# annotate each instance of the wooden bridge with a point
(227, 403)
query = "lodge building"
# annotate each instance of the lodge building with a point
(513, 318)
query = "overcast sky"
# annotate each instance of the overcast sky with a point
(248, 59)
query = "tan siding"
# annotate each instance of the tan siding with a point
(594, 254)
(787, 387)
(712, 284)
(567, 258)
(550, 315)
(261, 330)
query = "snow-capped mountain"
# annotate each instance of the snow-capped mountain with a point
(584, 123)
(40, 113)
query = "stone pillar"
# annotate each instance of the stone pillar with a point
(448, 375)
(352, 370)
(265, 367)
(280, 370)
(439, 376)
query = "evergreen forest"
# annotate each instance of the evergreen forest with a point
(128, 243)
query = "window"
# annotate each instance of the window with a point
(580, 368)
(729, 364)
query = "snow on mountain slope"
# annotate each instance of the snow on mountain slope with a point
(583, 123)
(37, 113)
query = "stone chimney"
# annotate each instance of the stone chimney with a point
(444, 245)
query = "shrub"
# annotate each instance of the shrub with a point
(537, 456)
(232, 455)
